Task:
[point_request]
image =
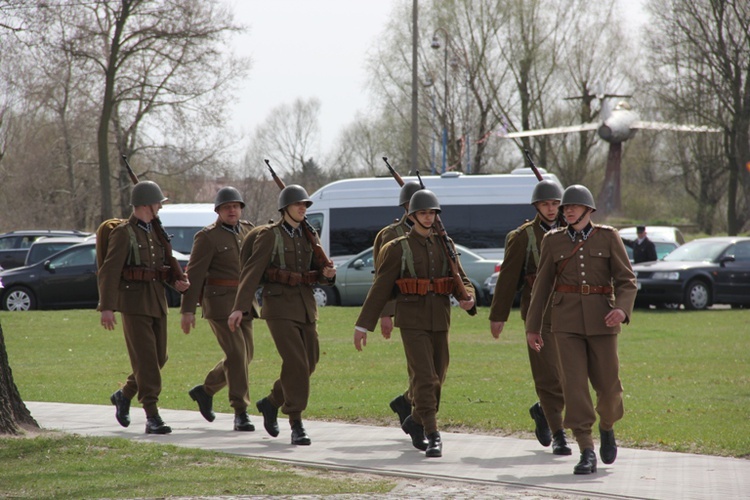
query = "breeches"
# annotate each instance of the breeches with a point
(146, 339)
(546, 372)
(297, 344)
(232, 370)
(427, 357)
(583, 359)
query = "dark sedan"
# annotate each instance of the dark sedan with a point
(698, 274)
(66, 280)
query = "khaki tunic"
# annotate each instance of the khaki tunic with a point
(587, 346)
(290, 311)
(424, 320)
(545, 365)
(143, 307)
(216, 256)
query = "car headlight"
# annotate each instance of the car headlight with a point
(666, 275)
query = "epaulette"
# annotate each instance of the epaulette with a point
(209, 227)
(603, 226)
(246, 223)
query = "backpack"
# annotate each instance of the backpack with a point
(102, 241)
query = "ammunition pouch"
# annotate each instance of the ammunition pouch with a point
(291, 278)
(140, 273)
(418, 286)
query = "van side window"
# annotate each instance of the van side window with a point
(353, 230)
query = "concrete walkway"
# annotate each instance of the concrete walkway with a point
(466, 457)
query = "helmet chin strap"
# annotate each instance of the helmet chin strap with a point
(545, 219)
(287, 212)
(581, 217)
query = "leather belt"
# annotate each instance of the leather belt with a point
(584, 289)
(221, 282)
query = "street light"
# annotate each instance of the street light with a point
(436, 45)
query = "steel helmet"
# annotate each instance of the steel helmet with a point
(424, 199)
(407, 190)
(293, 193)
(546, 190)
(228, 195)
(146, 193)
(578, 195)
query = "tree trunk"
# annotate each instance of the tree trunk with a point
(13, 412)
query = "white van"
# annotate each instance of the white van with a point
(477, 210)
(183, 220)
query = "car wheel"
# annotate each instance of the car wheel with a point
(324, 296)
(697, 295)
(19, 298)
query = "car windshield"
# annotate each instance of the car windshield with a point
(697, 251)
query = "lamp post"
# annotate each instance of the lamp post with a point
(436, 45)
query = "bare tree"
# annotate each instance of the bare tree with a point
(290, 138)
(159, 59)
(701, 50)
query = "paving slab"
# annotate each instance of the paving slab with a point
(477, 458)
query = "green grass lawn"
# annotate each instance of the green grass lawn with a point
(686, 376)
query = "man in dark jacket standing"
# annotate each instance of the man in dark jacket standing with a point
(644, 249)
(214, 271)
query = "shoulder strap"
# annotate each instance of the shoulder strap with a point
(278, 248)
(407, 259)
(135, 256)
(531, 246)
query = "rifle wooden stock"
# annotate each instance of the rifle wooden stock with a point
(320, 258)
(161, 234)
(460, 289)
(533, 165)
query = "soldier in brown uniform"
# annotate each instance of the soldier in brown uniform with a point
(585, 276)
(214, 270)
(131, 281)
(401, 404)
(280, 257)
(520, 264)
(417, 265)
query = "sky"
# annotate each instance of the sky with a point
(315, 48)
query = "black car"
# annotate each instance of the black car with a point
(14, 245)
(66, 280)
(698, 274)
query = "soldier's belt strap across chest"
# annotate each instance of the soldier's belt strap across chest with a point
(221, 282)
(418, 286)
(584, 289)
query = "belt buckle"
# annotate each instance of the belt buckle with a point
(585, 289)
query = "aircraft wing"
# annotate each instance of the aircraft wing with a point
(552, 131)
(638, 125)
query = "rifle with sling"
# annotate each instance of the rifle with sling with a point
(175, 269)
(460, 290)
(320, 258)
